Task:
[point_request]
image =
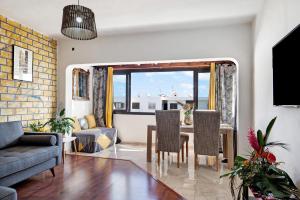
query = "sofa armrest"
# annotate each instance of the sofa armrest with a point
(58, 142)
(57, 135)
(38, 140)
(8, 193)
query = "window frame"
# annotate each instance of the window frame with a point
(128, 73)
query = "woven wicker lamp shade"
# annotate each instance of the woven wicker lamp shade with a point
(78, 23)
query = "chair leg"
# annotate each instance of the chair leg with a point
(178, 159)
(217, 163)
(196, 160)
(163, 155)
(168, 153)
(52, 171)
(158, 157)
(187, 148)
(182, 152)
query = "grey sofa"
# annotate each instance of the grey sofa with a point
(23, 155)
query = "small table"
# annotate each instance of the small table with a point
(67, 140)
(225, 129)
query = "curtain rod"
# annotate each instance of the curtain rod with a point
(175, 65)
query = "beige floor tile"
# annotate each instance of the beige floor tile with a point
(200, 184)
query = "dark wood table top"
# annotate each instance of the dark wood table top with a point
(87, 178)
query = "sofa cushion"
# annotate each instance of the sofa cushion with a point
(10, 132)
(18, 158)
(76, 125)
(83, 123)
(91, 120)
(104, 141)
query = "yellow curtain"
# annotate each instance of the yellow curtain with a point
(212, 87)
(109, 97)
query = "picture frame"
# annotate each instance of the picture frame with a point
(80, 84)
(22, 64)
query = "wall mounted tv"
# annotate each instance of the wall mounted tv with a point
(286, 70)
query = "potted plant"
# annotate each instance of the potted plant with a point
(260, 171)
(37, 127)
(61, 124)
(188, 110)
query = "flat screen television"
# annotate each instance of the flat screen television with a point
(286, 70)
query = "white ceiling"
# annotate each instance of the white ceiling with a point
(131, 16)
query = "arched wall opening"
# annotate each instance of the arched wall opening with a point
(131, 128)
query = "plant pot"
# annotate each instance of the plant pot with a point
(67, 134)
(258, 196)
(188, 120)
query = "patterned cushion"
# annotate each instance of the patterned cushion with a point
(91, 120)
(104, 141)
(76, 125)
(83, 123)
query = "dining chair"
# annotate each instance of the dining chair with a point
(168, 134)
(206, 134)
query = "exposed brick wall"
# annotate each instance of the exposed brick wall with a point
(16, 102)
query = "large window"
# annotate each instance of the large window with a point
(147, 91)
(203, 90)
(153, 89)
(119, 82)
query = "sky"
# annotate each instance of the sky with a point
(156, 83)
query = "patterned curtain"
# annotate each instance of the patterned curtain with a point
(226, 93)
(226, 97)
(99, 94)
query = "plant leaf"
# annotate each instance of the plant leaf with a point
(239, 159)
(224, 175)
(269, 128)
(279, 144)
(62, 113)
(260, 138)
(68, 118)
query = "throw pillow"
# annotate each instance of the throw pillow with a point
(103, 141)
(83, 123)
(91, 121)
(76, 125)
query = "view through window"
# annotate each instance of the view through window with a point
(119, 82)
(169, 90)
(159, 88)
(203, 90)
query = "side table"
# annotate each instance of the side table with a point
(67, 140)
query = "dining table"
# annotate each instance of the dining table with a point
(225, 130)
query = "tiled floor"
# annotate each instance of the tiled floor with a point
(200, 184)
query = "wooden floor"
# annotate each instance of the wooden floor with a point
(88, 178)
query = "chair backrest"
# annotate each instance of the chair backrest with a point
(206, 132)
(168, 130)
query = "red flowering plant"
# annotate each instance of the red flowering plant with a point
(260, 171)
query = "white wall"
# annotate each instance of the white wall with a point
(78, 108)
(233, 41)
(277, 18)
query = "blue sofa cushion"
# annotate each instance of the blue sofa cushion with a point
(10, 132)
(18, 158)
(38, 140)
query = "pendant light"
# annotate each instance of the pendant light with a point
(78, 22)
